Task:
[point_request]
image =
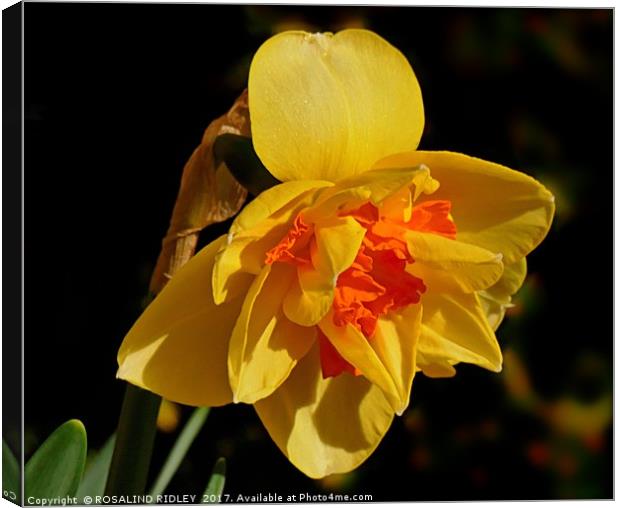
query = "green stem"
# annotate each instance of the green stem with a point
(177, 454)
(134, 443)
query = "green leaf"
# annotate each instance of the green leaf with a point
(56, 468)
(96, 474)
(239, 155)
(216, 482)
(10, 474)
(179, 450)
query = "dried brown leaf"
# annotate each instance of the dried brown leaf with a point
(208, 194)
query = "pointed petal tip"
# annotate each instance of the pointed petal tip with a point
(124, 374)
(249, 397)
(121, 372)
(401, 411)
(218, 297)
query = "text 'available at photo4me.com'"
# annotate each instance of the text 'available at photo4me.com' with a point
(269, 497)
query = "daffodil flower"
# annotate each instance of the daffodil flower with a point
(370, 262)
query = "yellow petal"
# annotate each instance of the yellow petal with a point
(388, 358)
(375, 186)
(455, 329)
(328, 106)
(493, 206)
(178, 348)
(272, 200)
(337, 241)
(355, 349)
(436, 355)
(510, 282)
(325, 426)
(265, 345)
(397, 207)
(241, 258)
(446, 265)
(395, 342)
(308, 306)
(260, 226)
(496, 299)
(433, 361)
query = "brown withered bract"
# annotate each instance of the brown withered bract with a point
(208, 194)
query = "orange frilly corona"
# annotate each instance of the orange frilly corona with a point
(371, 262)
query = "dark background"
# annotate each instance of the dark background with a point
(117, 98)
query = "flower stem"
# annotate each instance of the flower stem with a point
(134, 443)
(194, 209)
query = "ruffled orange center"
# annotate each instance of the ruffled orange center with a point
(293, 248)
(377, 282)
